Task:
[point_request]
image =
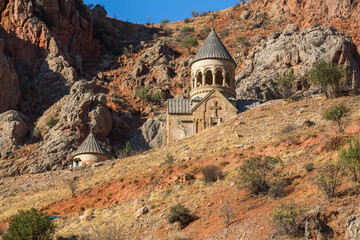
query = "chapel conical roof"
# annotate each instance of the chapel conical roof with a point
(213, 48)
(90, 145)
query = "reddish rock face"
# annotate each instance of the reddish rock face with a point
(30, 37)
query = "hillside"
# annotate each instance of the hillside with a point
(61, 78)
(113, 192)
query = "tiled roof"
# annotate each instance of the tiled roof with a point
(213, 48)
(90, 145)
(182, 106)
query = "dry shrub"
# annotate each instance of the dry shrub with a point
(108, 231)
(211, 173)
(333, 143)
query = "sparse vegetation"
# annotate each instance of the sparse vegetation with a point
(30, 225)
(207, 30)
(240, 39)
(179, 213)
(277, 189)
(256, 172)
(105, 32)
(157, 97)
(285, 83)
(187, 29)
(309, 167)
(327, 76)
(287, 217)
(126, 150)
(107, 231)
(336, 114)
(189, 43)
(350, 158)
(329, 178)
(211, 173)
(52, 122)
(164, 22)
(142, 93)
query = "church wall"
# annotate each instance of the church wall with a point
(179, 126)
(213, 111)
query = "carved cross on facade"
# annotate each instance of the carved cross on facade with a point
(215, 108)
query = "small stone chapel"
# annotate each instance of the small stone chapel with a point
(212, 97)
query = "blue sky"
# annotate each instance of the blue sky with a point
(138, 11)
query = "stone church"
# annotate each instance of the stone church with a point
(212, 97)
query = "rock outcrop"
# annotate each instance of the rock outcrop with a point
(66, 124)
(9, 83)
(13, 128)
(45, 82)
(151, 135)
(30, 25)
(297, 50)
(353, 227)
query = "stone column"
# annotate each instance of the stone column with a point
(195, 83)
(223, 80)
(203, 79)
(214, 77)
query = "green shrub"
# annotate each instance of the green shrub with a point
(189, 43)
(329, 178)
(52, 122)
(83, 9)
(336, 114)
(240, 39)
(141, 93)
(211, 173)
(277, 189)
(157, 97)
(126, 150)
(256, 172)
(327, 76)
(207, 30)
(188, 29)
(285, 82)
(179, 213)
(169, 159)
(288, 218)
(30, 225)
(105, 32)
(350, 158)
(309, 167)
(41, 12)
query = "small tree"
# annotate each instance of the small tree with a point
(327, 76)
(287, 216)
(189, 43)
(211, 173)
(142, 93)
(257, 172)
(72, 185)
(30, 225)
(179, 213)
(350, 158)
(227, 212)
(329, 178)
(336, 114)
(164, 22)
(195, 13)
(285, 82)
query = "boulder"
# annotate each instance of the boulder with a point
(245, 15)
(153, 134)
(13, 127)
(141, 211)
(298, 51)
(353, 227)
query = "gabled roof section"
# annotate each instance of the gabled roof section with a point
(208, 96)
(90, 145)
(213, 48)
(179, 106)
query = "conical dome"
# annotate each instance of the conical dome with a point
(213, 48)
(91, 146)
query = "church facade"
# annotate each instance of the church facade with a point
(212, 97)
